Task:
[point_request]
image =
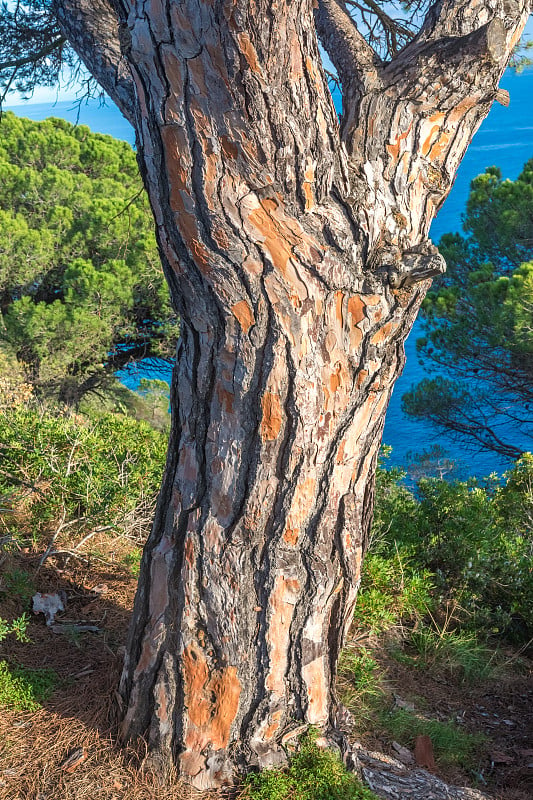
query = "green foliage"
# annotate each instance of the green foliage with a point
(18, 627)
(478, 322)
(359, 681)
(23, 689)
(451, 744)
(81, 286)
(312, 774)
(17, 583)
(456, 541)
(133, 561)
(391, 590)
(59, 471)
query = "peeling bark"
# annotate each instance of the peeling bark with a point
(297, 256)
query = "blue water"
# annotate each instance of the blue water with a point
(505, 139)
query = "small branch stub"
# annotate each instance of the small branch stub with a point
(419, 264)
(503, 97)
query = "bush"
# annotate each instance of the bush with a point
(467, 542)
(69, 472)
(312, 774)
(391, 591)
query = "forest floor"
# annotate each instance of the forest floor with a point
(65, 749)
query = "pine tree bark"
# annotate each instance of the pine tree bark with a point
(297, 254)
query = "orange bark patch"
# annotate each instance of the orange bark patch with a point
(309, 176)
(272, 416)
(244, 314)
(175, 146)
(309, 196)
(273, 728)
(340, 452)
(428, 141)
(356, 308)
(227, 689)
(212, 700)
(281, 605)
(291, 536)
(200, 255)
(394, 147)
(248, 51)
(339, 297)
(313, 72)
(196, 677)
(220, 237)
(383, 333)
(335, 379)
(317, 693)
(278, 241)
(229, 148)
(362, 376)
(440, 147)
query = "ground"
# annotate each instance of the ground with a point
(78, 719)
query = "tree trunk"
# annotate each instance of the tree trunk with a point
(297, 255)
(249, 578)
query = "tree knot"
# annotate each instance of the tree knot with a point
(420, 263)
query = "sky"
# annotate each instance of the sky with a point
(54, 94)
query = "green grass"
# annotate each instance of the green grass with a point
(312, 774)
(360, 685)
(458, 654)
(23, 689)
(451, 744)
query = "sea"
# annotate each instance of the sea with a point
(505, 139)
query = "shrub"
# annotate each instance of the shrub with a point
(312, 774)
(70, 472)
(391, 590)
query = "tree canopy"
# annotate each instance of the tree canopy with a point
(478, 322)
(81, 286)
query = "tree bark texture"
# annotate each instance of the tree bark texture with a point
(297, 255)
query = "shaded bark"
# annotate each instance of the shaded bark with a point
(297, 255)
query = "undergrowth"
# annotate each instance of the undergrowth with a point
(312, 774)
(458, 654)
(23, 689)
(452, 745)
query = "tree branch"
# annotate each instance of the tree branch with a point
(355, 60)
(32, 57)
(454, 30)
(92, 28)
